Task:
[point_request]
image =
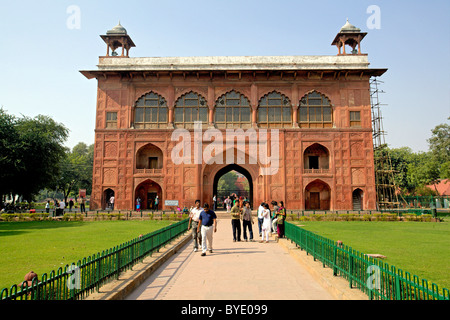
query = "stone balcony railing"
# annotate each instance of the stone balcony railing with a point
(148, 171)
(316, 171)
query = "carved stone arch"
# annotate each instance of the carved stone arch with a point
(142, 95)
(225, 92)
(232, 109)
(274, 115)
(184, 114)
(107, 193)
(318, 92)
(180, 92)
(316, 157)
(149, 156)
(315, 145)
(358, 199)
(317, 195)
(145, 193)
(150, 110)
(323, 110)
(271, 90)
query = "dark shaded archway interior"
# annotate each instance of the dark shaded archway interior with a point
(107, 194)
(239, 169)
(147, 191)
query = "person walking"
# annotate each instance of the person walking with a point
(236, 222)
(156, 203)
(70, 205)
(138, 204)
(83, 204)
(47, 206)
(274, 216)
(111, 202)
(62, 206)
(207, 221)
(227, 203)
(281, 217)
(194, 216)
(247, 221)
(266, 226)
(260, 217)
(214, 203)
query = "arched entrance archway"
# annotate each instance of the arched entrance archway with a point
(317, 196)
(106, 199)
(242, 171)
(357, 197)
(146, 192)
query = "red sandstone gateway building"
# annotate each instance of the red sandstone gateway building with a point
(311, 114)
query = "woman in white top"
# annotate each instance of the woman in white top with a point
(266, 226)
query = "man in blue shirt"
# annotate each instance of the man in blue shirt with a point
(207, 222)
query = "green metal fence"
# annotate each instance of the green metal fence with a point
(376, 279)
(77, 281)
(427, 201)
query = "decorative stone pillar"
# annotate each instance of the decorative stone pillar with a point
(211, 102)
(210, 117)
(254, 116)
(170, 124)
(295, 115)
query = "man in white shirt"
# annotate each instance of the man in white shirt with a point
(62, 205)
(260, 217)
(111, 201)
(194, 216)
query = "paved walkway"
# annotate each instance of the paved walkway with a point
(234, 271)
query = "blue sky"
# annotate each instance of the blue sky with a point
(40, 56)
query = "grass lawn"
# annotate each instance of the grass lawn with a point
(420, 248)
(43, 246)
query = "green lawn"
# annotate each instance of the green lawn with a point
(43, 246)
(420, 248)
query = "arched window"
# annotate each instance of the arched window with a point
(232, 110)
(149, 157)
(316, 159)
(315, 111)
(274, 110)
(189, 108)
(150, 112)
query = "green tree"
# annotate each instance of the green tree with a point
(400, 160)
(31, 150)
(8, 141)
(40, 149)
(423, 171)
(76, 170)
(439, 145)
(227, 181)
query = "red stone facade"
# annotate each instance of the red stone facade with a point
(323, 166)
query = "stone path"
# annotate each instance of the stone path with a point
(234, 271)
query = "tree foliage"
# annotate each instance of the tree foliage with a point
(31, 149)
(76, 170)
(227, 181)
(413, 171)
